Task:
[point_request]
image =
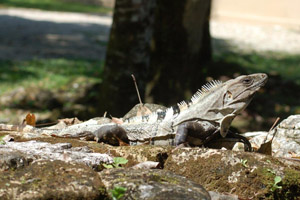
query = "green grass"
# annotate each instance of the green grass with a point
(56, 5)
(46, 73)
(284, 65)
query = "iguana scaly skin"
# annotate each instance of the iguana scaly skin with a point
(209, 112)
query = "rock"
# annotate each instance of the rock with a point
(51, 180)
(59, 151)
(146, 165)
(82, 130)
(286, 143)
(151, 184)
(12, 159)
(218, 196)
(135, 154)
(247, 175)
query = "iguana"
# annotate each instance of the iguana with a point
(209, 112)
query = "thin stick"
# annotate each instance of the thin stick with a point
(49, 123)
(276, 121)
(137, 90)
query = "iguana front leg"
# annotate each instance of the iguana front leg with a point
(197, 131)
(111, 134)
(194, 130)
(240, 138)
(232, 138)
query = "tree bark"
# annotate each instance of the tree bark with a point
(163, 43)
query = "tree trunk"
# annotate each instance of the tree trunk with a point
(163, 43)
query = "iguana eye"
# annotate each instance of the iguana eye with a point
(247, 81)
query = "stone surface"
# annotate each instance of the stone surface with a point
(286, 142)
(247, 175)
(59, 151)
(51, 180)
(12, 159)
(242, 174)
(152, 184)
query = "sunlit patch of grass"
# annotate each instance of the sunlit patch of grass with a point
(57, 5)
(46, 73)
(285, 65)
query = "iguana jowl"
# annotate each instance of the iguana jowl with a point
(209, 112)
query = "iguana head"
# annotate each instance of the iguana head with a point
(239, 91)
(219, 103)
(237, 95)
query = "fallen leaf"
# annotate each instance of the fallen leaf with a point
(294, 155)
(30, 119)
(117, 120)
(266, 148)
(70, 121)
(143, 110)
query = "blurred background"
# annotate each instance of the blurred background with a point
(74, 58)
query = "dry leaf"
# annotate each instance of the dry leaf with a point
(117, 120)
(30, 119)
(143, 110)
(266, 148)
(70, 121)
(294, 155)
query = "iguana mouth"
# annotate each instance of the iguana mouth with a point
(260, 83)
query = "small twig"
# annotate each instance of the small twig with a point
(104, 115)
(49, 123)
(137, 90)
(274, 124)
(276, 121)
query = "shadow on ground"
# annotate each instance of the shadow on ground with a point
(23, 39)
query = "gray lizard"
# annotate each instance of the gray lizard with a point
(209, 113)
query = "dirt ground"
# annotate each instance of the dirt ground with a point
(29, 33)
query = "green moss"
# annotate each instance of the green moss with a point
(163, 179)
(290, 185)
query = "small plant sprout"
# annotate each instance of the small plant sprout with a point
(244, 162)
(118, 161)
(275, 186)
(117, 192)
